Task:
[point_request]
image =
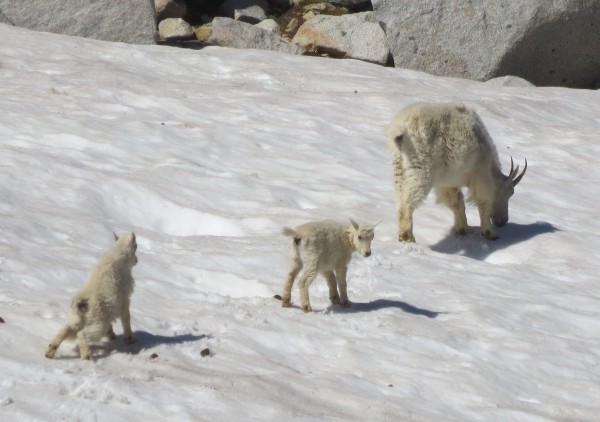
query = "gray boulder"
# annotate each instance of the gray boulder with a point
(170, 9)
(131, 21)
(549, 43)
(270, 25)
(228, 7)
(358, 36)
(509, 81)
(231, 33)
(175, 29)
(252, 14)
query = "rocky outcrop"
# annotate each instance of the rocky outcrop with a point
(356, 36)
(131, 21)
(228, 32)
(553, 43)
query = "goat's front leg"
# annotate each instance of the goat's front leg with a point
(126, 322)
(334, 297)
(341, 279)
(487, 230)
(453, 198)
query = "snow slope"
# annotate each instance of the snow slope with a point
(206, 155)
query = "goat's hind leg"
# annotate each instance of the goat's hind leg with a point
(408, 197)
(66, 332)
(304, 283)
(110, 333)
(84, 348)
(334, 296)
(294, 269)
(454, 199)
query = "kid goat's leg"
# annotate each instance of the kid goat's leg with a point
(84, 348)
(341, 279)
(307, 278)
(334, 297)
(294, 269)
(126, 322)
(66, 332)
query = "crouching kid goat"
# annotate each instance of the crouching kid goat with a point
(102, 299)
(324, 247)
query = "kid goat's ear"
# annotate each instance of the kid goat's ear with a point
(354, 224)
(115, 236)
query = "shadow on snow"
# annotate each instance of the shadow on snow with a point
(378, 304)
(474, 246)
(143, 341)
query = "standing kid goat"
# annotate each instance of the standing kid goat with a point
(446, 147)
(324, 247)
(102, 299)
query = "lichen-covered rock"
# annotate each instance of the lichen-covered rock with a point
(270, 25)
(175, 29)
(356, 36)
(203, 32)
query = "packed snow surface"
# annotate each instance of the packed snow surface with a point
(206, 155)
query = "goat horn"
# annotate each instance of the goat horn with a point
(513, 170)
(520, 176)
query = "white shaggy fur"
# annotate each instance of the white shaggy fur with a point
(324, 247)
(102, 299)
(446, 147)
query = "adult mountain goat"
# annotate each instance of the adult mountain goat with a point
(102, 299)
(446, 147)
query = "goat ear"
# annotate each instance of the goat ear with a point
(399, 137)
(115, 236)
(132, 237)
(354, 224)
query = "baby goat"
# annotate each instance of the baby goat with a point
(102, 299)
(324, 247)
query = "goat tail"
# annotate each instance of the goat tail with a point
(80, 306)
(286, 231)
